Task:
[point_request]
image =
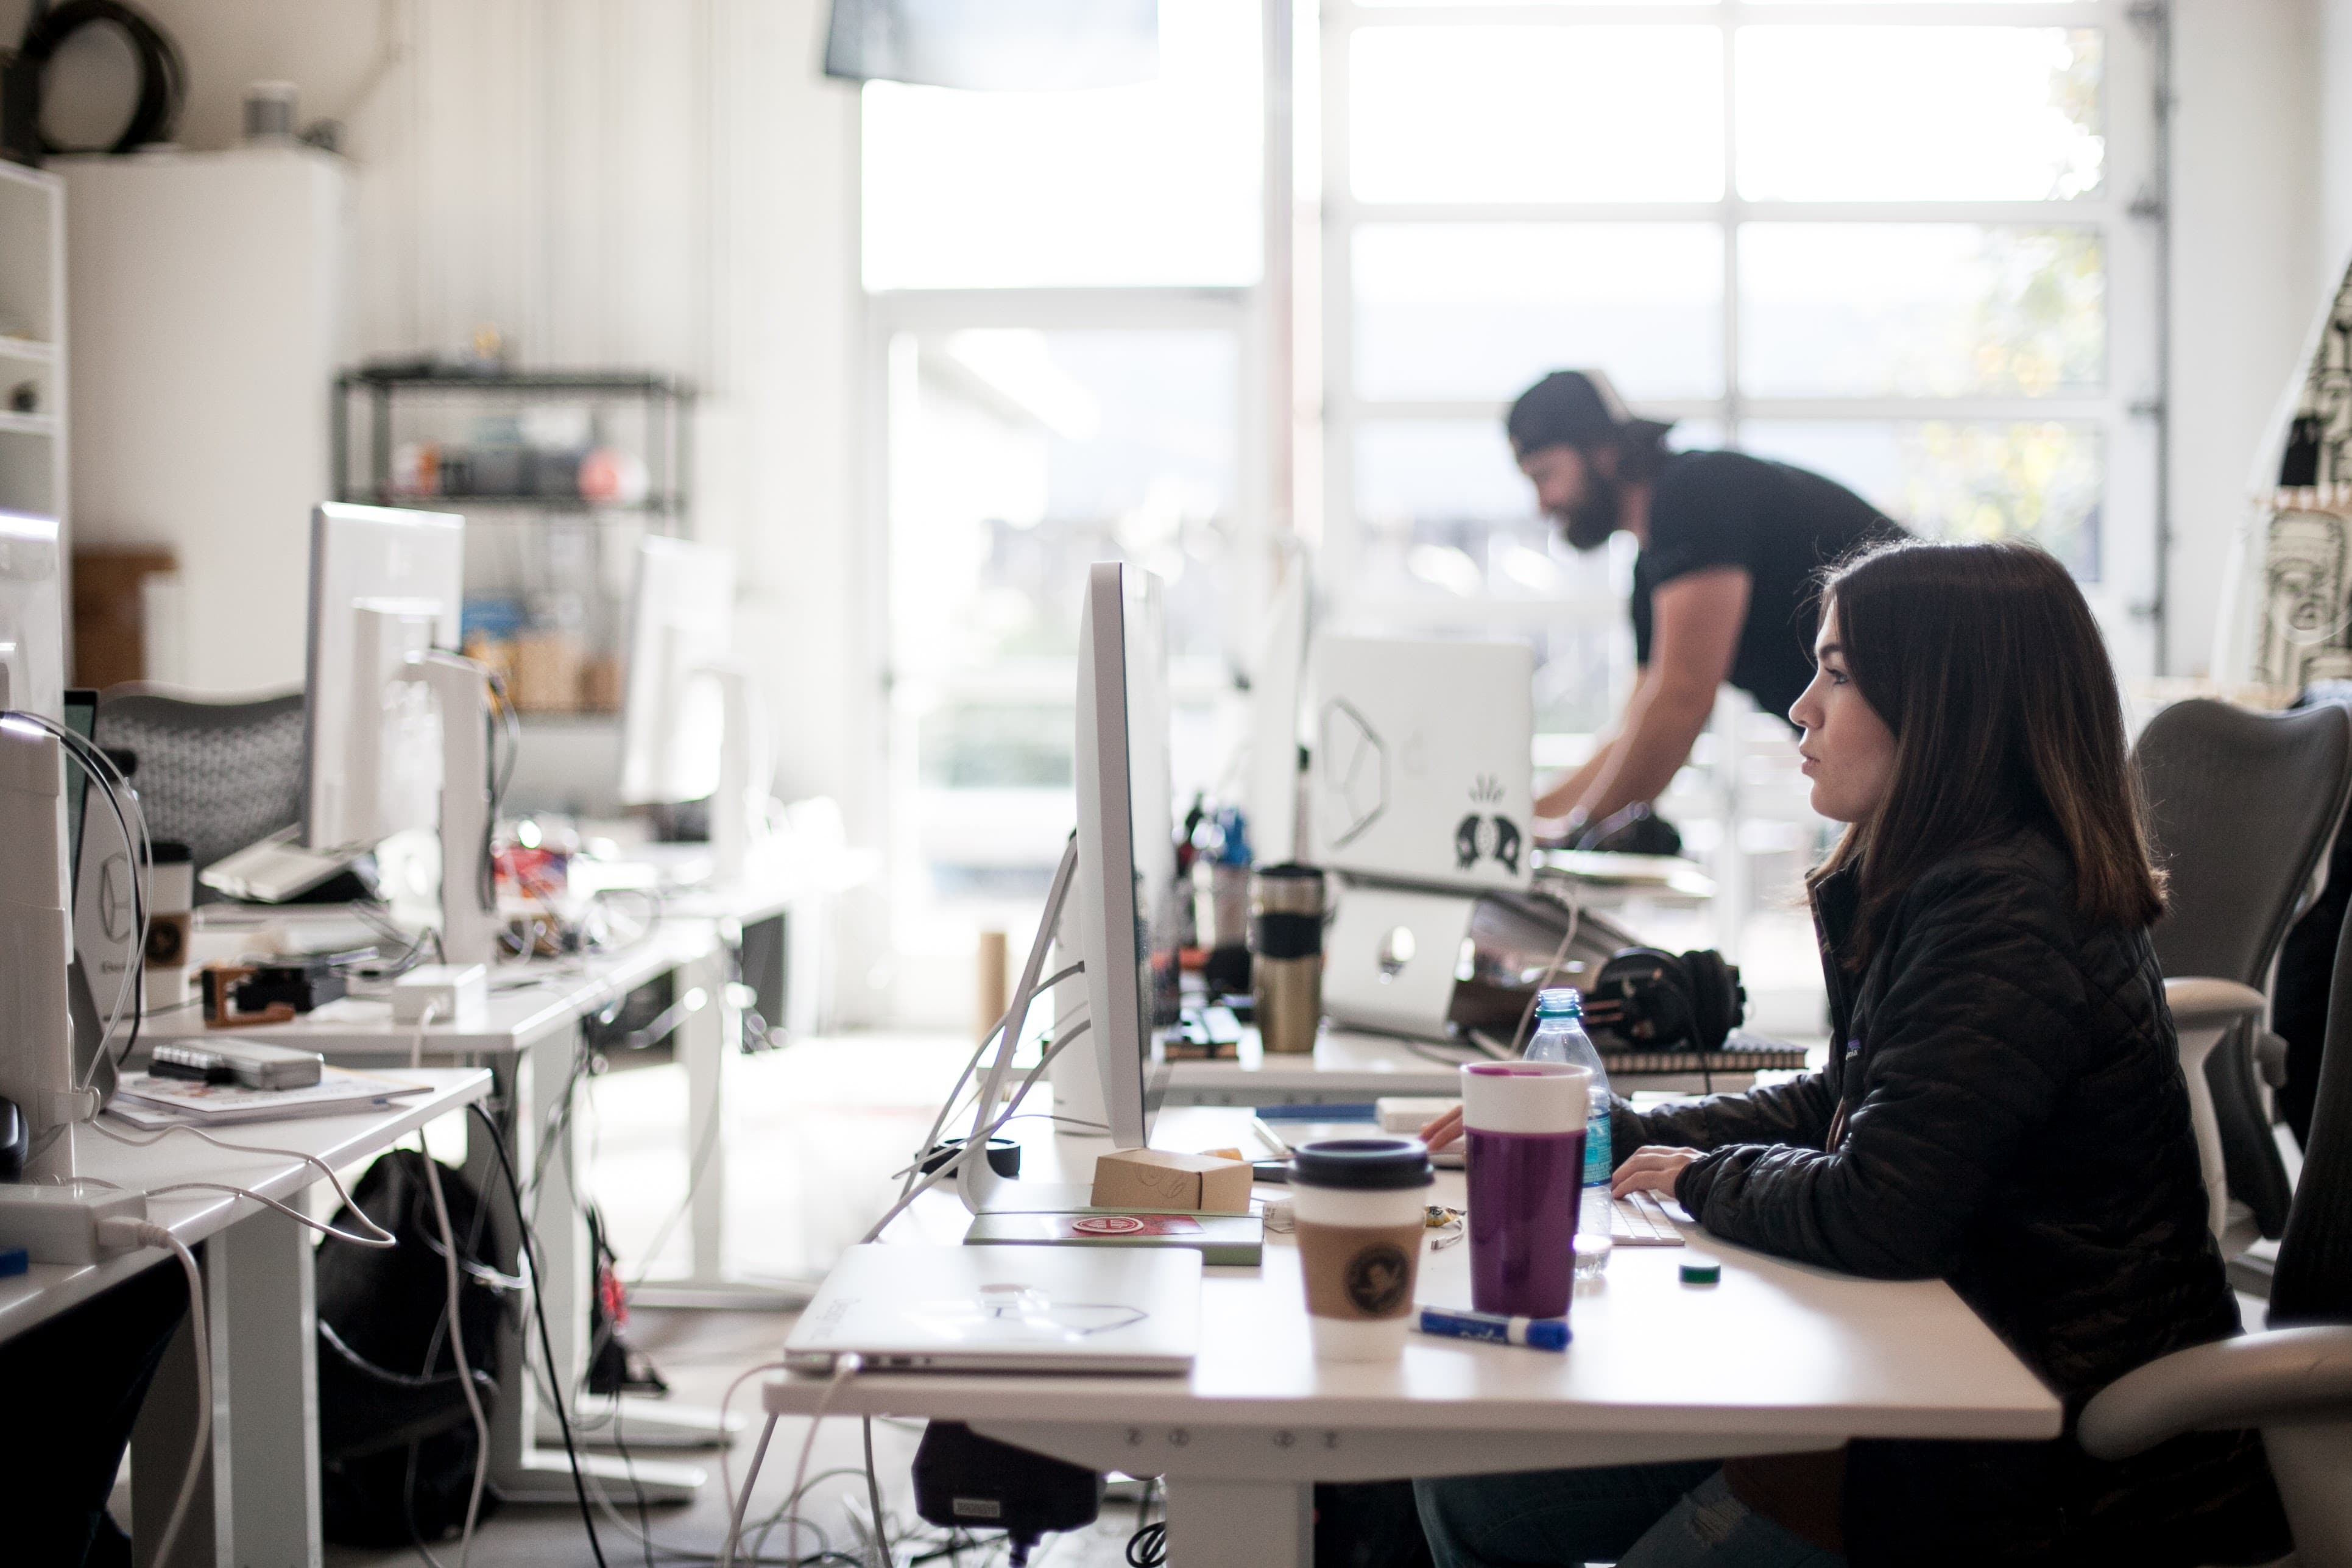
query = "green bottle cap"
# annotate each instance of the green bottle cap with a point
(1702, 1271)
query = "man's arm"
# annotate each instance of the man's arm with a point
(1697, 620)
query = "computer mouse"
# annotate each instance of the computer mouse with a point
(14, 1138)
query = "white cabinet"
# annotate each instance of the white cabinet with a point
(208, 314)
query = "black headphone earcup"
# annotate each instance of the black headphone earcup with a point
(1717, 1001)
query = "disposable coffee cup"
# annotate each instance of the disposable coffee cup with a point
(1358, 1205)
(1523, 1130)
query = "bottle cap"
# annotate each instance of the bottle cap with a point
(1560, 1002)
(1549, 1333)
(1702, 1271)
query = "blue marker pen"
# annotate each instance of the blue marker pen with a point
(1539, 1333)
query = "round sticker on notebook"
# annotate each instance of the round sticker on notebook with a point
(1107, 1224)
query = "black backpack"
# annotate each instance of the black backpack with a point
(395, 1439)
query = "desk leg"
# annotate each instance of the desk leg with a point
(258, 1507)
(523, 1471)
(1268, 1522)
(708, 1044)
(161, 1437)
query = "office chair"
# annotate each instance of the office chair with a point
(2242, 806)
(215, 776)
(2293, 1380)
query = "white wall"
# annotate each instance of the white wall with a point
(662, 184)
(2246, 221)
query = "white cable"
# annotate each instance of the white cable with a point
(382, 1237)
(101, 771)
(954, 1096)
(417, 1046)
(458, 1345)
(726, 1478)
(975, 1146)
(743, 1501)
(1559, 957)
(296, 1216)
(845, 1367)
(131, 1233)
(953, 1167)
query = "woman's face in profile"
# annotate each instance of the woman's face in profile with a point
(1848, 752)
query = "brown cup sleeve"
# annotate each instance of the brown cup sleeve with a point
(1360, 1272)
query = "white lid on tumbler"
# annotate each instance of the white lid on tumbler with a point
(1526, 1097)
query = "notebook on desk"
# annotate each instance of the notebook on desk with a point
(1005, 1309)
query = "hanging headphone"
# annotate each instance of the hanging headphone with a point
(162, 75)
(1651, 999)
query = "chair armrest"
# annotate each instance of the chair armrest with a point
(2201, 1001)
(2270, 1057)
(2245, 1382)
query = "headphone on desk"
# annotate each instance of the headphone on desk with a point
(1652, 999)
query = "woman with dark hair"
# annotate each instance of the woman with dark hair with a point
(2003, 1108)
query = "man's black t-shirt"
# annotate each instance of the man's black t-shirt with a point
(1780, 524)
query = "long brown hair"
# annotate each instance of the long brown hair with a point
(1985, 662)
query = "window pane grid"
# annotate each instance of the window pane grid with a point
(2004, 329)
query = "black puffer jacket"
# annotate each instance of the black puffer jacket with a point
(2015, 1121)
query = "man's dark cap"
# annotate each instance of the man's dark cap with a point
(1567, 408)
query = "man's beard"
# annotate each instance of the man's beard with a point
(1593, 518)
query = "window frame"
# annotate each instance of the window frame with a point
(2122, 212)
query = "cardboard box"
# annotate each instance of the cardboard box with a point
(1159, 1179)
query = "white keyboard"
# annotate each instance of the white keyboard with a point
(1637, 1220)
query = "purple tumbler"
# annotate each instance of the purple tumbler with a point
(1524, 1125)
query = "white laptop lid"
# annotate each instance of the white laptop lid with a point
(1424, 761)
(1005, 1309)
(1391, 956)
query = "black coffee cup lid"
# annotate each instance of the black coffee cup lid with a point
(1364, 1164)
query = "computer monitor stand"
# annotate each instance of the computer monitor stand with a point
(739, 805)
(35, 946)
(469, 912)
(1078, 1093)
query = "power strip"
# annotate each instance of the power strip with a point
(60, 1224)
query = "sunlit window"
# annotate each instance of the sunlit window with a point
(1890, 242)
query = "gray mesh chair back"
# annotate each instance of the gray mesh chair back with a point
(215, 776)
(2312, 1282)
(2242, 806)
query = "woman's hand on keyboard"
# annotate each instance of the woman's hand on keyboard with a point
(1652, 1168)
(1443, 1128)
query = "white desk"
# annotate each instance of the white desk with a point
(260, 1502)
(1777, 1358)
(529, 1037)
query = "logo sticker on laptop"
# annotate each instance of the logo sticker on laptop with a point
(1012, 1314)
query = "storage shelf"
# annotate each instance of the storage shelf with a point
(615, 384)
(30, 349)
(658, 505)
(29, 424)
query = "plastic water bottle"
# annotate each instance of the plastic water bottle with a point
(1560, 1037)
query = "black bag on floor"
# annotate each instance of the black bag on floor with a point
(395, 1439)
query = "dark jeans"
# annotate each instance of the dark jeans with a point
(73, 1386)
(1643, 1516)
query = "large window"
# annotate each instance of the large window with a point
(1065, 309)
(1891, 241)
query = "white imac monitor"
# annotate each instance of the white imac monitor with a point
(1127, 838)
(1424, 764)
(673, 708)
(31, 616)
(385, 586)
